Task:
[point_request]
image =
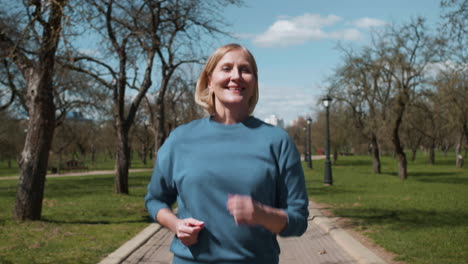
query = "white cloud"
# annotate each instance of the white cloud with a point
(297, 30)
(367, 22)
(435, 68)
(286, 103)
(346, 34)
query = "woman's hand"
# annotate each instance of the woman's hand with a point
(247, 211)
(244, 209)
(187, 230)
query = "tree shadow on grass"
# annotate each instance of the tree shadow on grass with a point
(445, 162)
(431, 174)
(423, 174)
(404, 219)
(435, 177)
(448, 180)
(326, 191)
(359, 162)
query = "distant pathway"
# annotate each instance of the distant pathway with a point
(104, 172)
(81, 173)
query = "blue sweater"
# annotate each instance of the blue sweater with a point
(204, 161)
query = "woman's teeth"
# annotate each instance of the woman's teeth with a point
(235, 89)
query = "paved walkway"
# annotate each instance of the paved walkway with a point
(323, 243)
(77, 174)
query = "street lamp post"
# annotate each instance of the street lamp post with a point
(328, 178)
(309, 151)
(305, 142)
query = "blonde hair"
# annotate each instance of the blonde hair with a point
(203, 97)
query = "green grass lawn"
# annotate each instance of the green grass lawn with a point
(423, 219)
(5, 171)
(83, 220)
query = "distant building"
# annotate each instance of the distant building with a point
(275, 121)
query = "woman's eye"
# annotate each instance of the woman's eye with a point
(245, 69)
(226, 68)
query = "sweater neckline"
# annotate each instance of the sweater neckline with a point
(244, 123)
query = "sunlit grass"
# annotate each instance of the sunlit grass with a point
(83, 220)
(423, 219)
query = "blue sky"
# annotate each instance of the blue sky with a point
(294, 43)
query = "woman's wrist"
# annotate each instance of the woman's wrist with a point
(168, 219)
(273, 219)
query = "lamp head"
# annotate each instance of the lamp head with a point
(327, 101)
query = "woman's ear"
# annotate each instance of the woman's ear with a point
(210, 88)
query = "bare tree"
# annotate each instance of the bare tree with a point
(298, 132)
(36, 63)
(405, 52)
(452, 90)
(148, 32)
(424, 124)
(454, 28)
(143, 138)
(361, 84)
(179, 105)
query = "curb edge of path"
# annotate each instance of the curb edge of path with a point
(131, 245)
(353, 247)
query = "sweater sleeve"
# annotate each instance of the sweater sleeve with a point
(162, 192)
(292, 191)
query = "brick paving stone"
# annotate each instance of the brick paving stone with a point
(314, 247)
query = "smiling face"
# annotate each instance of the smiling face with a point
(233, 81)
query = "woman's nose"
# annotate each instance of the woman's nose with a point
(235, 74)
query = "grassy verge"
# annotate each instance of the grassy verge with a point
(423, 219)
(83, 220)
(5, 171)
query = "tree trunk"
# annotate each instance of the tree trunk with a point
(38, 142)
(35, 155)
(458, 154)
(122, 161)
(413, 154)
(93, 154)
(402, 166)
(161, 120)
(144, 155)
(460, 161)
(375, 152)
(432, 153)
(161, 133)
(400, 153)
